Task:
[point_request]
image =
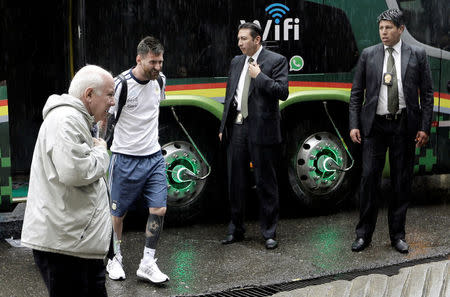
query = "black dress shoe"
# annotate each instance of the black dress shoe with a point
(271, 244)
(359, 244)
(401, 246)
(232, 239)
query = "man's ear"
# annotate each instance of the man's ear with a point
(258, 39)
(88, 94)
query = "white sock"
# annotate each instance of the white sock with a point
(117, 246)
(118, 254)
(149, 254)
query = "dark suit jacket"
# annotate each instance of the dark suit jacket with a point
(270, 86)
(416, 77)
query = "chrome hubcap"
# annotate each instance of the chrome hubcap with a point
(318, 161)
(181, 159)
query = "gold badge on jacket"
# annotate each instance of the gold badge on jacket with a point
(387, 79)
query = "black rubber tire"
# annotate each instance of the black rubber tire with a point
(6, 205)
(205, 138)
(302, 122)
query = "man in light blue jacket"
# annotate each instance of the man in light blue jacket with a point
(67, 221)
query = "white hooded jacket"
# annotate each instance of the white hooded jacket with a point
(67, 208)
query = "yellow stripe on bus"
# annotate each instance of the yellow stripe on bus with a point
(200, 92)
(444, 103)
(220, 92)
(3, 110)
(299, 89)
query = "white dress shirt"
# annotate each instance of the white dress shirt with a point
(382, 108)
(240, 86)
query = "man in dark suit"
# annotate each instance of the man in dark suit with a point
(250, 129)
(385, 113)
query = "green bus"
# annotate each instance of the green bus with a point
(43, 44)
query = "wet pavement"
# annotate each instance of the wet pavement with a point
(310, 248)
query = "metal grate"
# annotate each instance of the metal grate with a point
(246, 292)
(270, 290)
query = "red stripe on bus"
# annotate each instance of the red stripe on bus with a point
(196, 86)
(443, 95)
(319, 84)
(291, 83)
(4, 102)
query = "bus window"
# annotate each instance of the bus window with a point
(428, 21)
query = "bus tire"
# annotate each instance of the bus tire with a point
(313, 152)
(185, 199)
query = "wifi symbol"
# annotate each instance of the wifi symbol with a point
(276, 11)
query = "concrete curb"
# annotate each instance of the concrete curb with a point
(423, 280)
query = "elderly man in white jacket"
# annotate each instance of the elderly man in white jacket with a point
(67, 221)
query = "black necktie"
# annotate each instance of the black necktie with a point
(244, 100)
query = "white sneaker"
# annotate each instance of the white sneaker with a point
(115, 269)
(150, 271)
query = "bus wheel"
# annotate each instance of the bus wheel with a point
(315, 158)
(182, 189)
(185, 168)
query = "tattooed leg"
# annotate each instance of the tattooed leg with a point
(153, 230)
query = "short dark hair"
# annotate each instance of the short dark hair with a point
(394, 15)
(255, 29)
(150, 44)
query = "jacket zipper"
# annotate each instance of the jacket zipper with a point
(88, 224)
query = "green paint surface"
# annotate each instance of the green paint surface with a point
(6, 162)
(206, 103)
(429, 160)
(5, 157)
(3, 93)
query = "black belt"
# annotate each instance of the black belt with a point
(392, 117)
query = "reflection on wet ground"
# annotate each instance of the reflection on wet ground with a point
(196, 262)
(325, 241)
(181, 262)
(309, 248)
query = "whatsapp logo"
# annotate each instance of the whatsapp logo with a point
(296, 63)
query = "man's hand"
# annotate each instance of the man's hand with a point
(355, 135)
(421, 138)
(220, 136)
(101, 125)
(253, 69)
(99, 142)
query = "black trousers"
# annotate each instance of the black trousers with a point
(392, 135)
(265, 160)
(71, 276)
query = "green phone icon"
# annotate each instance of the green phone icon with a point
(296, 63)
